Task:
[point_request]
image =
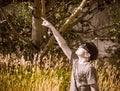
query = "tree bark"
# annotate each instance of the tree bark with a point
(38, 32)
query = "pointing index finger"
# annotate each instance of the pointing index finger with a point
(43, 18)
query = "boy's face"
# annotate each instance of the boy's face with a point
(82, 52)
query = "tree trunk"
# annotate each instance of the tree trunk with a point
(38, 32)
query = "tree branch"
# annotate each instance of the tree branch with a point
(43, 8)
(2, 21)
(71, 18)
(80, 18)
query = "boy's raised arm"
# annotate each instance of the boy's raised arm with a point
(61, 41)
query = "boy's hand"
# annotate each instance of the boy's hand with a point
(46, 23)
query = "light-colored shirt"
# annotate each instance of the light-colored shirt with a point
(83, 75)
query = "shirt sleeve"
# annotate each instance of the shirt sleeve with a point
(91, 76)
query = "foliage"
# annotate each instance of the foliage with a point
(20, 17)
(114, 33)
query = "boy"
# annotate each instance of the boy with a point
(83, 73)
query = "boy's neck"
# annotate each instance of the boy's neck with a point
(83, 60)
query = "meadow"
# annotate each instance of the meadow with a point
(18, 74)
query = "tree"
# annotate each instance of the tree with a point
(93, 22)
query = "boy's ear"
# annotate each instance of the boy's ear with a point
(87, 54)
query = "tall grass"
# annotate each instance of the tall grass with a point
(20, 75)
(108, 74)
